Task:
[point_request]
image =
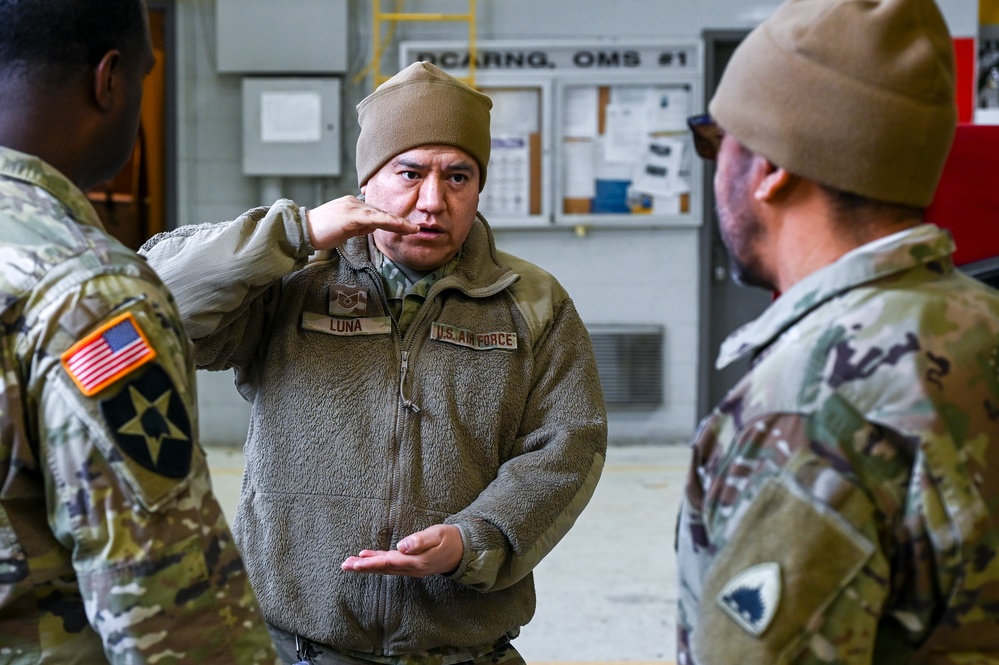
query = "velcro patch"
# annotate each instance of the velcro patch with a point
(752, 596)
(149, 422)
(443, 332)
(819, 553)
(348, 300)
(346, 327)
(114, 350)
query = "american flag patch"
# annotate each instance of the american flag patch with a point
(108, 354)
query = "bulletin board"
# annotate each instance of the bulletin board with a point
(585, 133)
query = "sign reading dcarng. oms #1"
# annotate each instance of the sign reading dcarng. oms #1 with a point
(513, 57)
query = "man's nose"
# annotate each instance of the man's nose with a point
(431, 195)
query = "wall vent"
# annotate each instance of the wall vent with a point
(630, 363)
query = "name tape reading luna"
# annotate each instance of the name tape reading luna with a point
(442, 332)
(331, 326)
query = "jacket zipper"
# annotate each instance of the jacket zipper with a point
(383, 584)
(409, 405)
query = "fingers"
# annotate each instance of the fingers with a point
(367, 561)
(432, 551)
(387, 563)
(336, 221)
(418, 543)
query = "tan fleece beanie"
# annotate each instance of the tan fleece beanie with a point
(418, 106)
(854, 94)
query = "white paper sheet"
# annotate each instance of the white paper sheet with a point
(658, 172)
(290, 117)
(514, 112)
(625, 131)
(581, 112)
(507, 191)
(580, 179)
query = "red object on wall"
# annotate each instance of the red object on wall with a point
(967, 199)
(964, 57)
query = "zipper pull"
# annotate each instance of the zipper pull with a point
(406, 402)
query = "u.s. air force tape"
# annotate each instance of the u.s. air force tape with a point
(443, 332)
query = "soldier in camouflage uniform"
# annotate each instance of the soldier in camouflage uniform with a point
(843, 499)
(112, 545)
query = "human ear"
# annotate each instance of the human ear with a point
(106, 74)
(773, 182)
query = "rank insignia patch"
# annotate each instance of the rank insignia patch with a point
(150, 424)
(111, 352)
(348, 300)
(751, 597)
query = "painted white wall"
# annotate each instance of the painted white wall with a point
(614, 276)
(632, 277)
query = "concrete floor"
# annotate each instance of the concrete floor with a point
(607, 592)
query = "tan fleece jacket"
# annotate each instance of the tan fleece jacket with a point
(357, 440)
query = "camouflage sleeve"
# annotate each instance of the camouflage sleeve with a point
(127, 484)
(784, 541)
(222, 275)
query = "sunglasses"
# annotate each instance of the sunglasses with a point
(707, 135)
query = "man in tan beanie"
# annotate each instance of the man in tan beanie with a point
(427, 421)
(843, 500)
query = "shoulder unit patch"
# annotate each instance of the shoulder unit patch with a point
(751, 597)
(149, 421)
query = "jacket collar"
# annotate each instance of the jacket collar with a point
(32, 170)
(921, 245)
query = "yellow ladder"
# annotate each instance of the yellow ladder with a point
(380, 17)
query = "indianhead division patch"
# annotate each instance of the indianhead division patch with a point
(114, 350)
(150, 424)
(751, 597)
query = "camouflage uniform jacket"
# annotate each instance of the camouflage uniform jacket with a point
(112, 546)
(843, 499)
(487, 414)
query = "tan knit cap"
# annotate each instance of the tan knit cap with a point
(418, 106)
(854, 94)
